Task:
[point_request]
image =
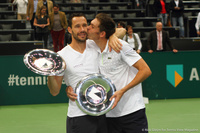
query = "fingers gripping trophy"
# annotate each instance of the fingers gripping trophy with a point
(93, 91)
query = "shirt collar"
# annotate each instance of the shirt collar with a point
(159, 31)
(106, 48)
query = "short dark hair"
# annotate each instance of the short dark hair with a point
(56, 5)
(75, 15)
(107, 24)
(122, 23)
(128, 26)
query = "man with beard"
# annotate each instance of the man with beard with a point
(81, 59)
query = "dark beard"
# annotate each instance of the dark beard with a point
(77, 39)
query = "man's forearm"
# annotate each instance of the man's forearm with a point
(54, 84)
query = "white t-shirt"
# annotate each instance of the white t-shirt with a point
(78, 65)
(118, 67)
(21, 6)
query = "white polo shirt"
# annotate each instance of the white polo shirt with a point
(118, 67)
(78, 65)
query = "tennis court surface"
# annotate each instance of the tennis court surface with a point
(164, 116)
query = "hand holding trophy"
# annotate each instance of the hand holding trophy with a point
(93, 91)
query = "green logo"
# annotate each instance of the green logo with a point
(174, 74)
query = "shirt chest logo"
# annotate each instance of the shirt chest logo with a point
(78, 65)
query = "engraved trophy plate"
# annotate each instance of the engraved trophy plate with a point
(94, 92)
(44, 62)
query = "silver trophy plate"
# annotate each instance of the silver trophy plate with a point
(94, 92)
(44, 62)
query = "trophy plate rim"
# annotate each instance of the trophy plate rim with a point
(44, 57)
(100, 108)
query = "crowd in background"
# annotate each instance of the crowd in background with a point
(50, 24)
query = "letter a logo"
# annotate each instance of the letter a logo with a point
(174, 74)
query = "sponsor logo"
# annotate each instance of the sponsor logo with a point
(174, 74)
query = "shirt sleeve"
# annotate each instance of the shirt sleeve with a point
(139, 41)
(129, 55)
(198, 22)
(26, 2)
